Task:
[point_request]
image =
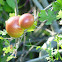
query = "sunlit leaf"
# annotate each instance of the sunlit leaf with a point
(4, 49)
(32, 28)
(7, 49)
(2, 2)
(12, 14)
(60, 1)
(1, 37)
(10, 57)
(59, 14)
(38, 47)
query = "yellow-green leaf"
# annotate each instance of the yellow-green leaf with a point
(1, 37)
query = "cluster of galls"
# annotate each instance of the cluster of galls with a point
(16, 25)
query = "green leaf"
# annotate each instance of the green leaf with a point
(59, 14)
(7, 50)
(10, 57)
(11, 14)
(1, 37)
(11, 3)
(60, 1)
(50, 16)
(32, 27)
(4, 58)
(17, 1)
(61, 46)
(3, 32)
(38, 47)
(1, 2)
(1, 8)
(56, 6)
(7, 8)
(7, 43)
(57, 55)
(4, 49)
(42, 15)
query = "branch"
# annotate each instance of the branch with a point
(37, 4)
(44, 9)
(41, 25)
(44, 3)
(43, 57)
(51, 32)
(17, 40)
(55, 27)
(19, 59)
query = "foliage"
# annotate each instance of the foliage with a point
(10, 57)
(53, 52)
(32, 28)
(56, 6)
(47, 16)
(1, 2)
(7, 10)
(59, 14)
(9, 50)
(50, 16)
(11, 3)
(3, 32)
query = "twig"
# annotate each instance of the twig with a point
(51, 32)
(40, 26)
(21, 59)
(34, 11)
(8, 38)
(30, 50)
(21, 52)
(16, 9)
(43, 57)
(31, 4)
(17, 42)
(44, 9)
(48, 7)
(24, 40)
(37, 43)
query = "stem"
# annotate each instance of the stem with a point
(24, 41)
(57, 46)
(43, 57)
(51, 53)
(23, 47)
(16, 39)
(16, 8)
